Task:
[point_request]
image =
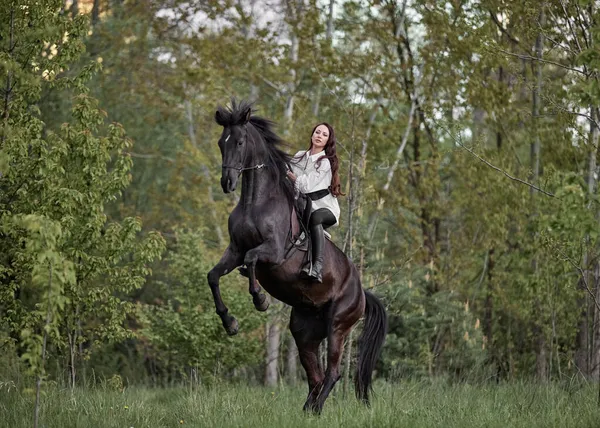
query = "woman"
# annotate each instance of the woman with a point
(315, 173)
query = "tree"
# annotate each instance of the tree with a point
(66, 270)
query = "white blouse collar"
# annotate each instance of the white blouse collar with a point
(316, 156)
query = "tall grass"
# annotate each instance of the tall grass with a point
(412, 404)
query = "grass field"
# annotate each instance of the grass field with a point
(412, 404)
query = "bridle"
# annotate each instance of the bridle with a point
(241, 167)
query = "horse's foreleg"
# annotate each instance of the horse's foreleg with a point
(266, 253)
(228, 262)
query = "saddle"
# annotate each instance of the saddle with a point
(300, 219)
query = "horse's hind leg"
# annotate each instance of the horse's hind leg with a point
(230, 260)
(309, 331)
(344, 315)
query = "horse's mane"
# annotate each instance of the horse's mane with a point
(278, 160)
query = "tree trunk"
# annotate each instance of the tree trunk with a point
(540, 341)
(488, 325)
(272, 354)
(72, 333)
(9, 84)
(390, 176)
(478, 125)
(593, 271)
(291, 366)
(501, 82)
(594, 284)
(328, 37)
(189, 113)
(96, 12)
(40, 375)
(75, 8)
(293, 15)
(582, 350)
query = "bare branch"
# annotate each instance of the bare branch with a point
(559, 44)
(403, 144)
(9, 85)
(566, 110)
(280, 91)
(545, 61)
(502, 29)
(584, 26)
(567, 17)
(150, 156)
(493, 166)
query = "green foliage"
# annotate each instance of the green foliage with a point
(476, 268)
(51, 273)
(180, 331)
(65, 269)
(431, 335)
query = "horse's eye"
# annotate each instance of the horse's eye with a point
(240, 142)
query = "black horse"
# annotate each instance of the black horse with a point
(260, 230)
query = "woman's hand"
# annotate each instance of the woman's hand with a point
(291, 176)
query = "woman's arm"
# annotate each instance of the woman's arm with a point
(316, 180)
(295, 164)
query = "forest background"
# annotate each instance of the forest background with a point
(468, 140)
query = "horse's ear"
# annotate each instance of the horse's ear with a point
(219, 117)
(247, 115)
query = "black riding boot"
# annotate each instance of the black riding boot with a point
(318, 241)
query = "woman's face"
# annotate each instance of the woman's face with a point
(320, 137)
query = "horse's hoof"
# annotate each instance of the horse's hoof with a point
(233, 327)
(311, 408)
(261, 303)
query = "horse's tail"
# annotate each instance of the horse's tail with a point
(370, 343)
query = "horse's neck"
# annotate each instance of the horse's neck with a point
(256, 188)
(257, 184)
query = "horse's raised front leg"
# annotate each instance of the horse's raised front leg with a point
(267, 253)
(259, 299)
(230, 260)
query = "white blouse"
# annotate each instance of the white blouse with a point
(310, 178)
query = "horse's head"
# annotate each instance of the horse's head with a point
(233, 144)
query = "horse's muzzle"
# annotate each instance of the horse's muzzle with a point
(229, 180)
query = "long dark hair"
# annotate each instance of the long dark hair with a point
(331, 154)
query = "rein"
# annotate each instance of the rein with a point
(240, 168)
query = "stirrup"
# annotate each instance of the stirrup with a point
(306, 271)
(309, 274)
